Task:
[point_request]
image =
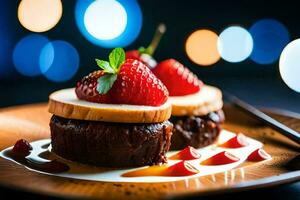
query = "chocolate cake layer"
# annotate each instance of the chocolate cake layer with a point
(196, 131)
(110, 144)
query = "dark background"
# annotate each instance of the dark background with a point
(258, 84)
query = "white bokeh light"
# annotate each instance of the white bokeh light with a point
(289, 65)
(105, 19)
(235, 44)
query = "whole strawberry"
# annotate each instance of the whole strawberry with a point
(86, 88)
(145, 54)
(142, 55)
(122, 81)
(134, 54)
(178, 79)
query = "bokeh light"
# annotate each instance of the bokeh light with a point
(26, 54)
(235, 44)
(59, 61)
(201, 47)
(289, 65)
(39, 15)
(105, 19)
(108, 30)
(269, 37)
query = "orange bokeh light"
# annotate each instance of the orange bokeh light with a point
(201, 47)
(39, 15)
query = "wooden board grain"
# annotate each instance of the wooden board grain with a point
(31, 122)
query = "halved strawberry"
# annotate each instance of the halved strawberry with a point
(178, 79)
(122, 82)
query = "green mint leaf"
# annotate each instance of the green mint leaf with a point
(105, 66)
(116, 58)
(105, 83)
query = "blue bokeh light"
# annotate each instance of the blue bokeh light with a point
(105, 19)
(27, 53)
(132, 30)
(235, 44)
(59, 61)
(269, 37)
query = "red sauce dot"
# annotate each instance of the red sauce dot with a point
(22, 147)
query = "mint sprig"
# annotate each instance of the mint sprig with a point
(111, 68)
(105, 82)
(105, 66)
(116, 58)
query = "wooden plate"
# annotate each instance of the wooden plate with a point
(31, 122)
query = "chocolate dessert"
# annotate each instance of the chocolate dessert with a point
(196, 107)
(110, 144)
(196, 131)
(115, 117)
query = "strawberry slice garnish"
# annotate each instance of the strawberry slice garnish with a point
(178, 79)
(181, 168)
(221, 158)
(258, 155)
(188, 153)
(122, 81)
(238, 141)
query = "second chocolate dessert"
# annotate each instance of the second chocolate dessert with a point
(196, 131)
(196, 107)
(197, 118)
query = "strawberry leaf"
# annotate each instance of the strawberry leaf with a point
(105, 66)
(142, 50)
(117, 58)
(105, 83)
